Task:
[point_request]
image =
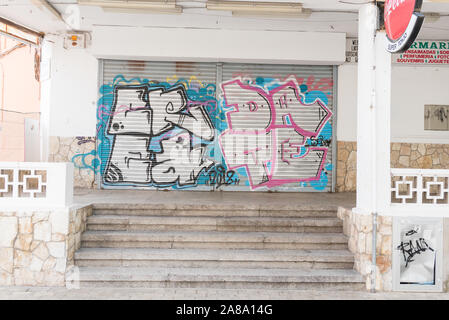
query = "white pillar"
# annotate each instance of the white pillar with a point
(383, 115)
(373, 115)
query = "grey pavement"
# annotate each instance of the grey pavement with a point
(245, 199)
(47, 293)
(260, 199)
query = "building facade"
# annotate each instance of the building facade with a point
(208, 100)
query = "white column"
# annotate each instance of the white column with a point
(373, 115)
(383, 115)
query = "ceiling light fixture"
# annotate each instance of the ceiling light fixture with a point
(431, 17)
(255, 6)
(302, 15)
(167, 6)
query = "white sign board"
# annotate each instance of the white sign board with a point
(421, 52)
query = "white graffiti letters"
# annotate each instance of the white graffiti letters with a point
(142, 115)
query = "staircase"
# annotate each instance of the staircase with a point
(210, 246)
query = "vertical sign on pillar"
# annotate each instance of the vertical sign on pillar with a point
(403, 21)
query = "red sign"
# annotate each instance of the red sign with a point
(397, 17)
(402, 23)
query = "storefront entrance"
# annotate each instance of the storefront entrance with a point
(216, 126)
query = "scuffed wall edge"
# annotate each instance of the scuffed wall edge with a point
(359, 230)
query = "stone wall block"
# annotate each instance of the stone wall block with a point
(41, 251)
(58, 237)
(403, 155)
(385, 229)
(22, 259)
(59, 222)
(405, 149)
(77, 241)
(369, 243)
(414, 156)
(23, 242)
(379, 240)
(34, 244)
(56, 249)
(6, 259)
(386, 246)
(38, 246)
(66, 148)
(387, 281)
(54, 145)
(404, 161)
(78, 222)
(422, 149)
(39, 216)
(386, 220)
(366, 223)
(8, 231)
(42, 231)
(25, 225)
(36, 264)
(61, 265)
(24, 277)
(6, 278)
(49, 263)
(361, 243)
(394, 156)
(53, 278)
(352, 244)
(384, 263)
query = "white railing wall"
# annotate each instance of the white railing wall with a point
(419, 192)
(38, 184)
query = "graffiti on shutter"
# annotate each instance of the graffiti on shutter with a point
(282, 141)
(170, 134)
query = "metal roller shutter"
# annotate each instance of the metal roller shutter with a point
(283, 130)
(151, 134)
(214, 126)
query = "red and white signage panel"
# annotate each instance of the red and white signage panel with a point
(403, 21)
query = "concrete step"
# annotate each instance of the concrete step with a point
(214, 210)
(204, 223)
(209, 258)
(227, 278)
(213, 239)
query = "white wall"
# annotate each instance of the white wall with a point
(70, 90)
(347, 102)
(73, 96)
(219, 45)
(412, 88)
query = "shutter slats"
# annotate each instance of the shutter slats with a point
(140, 158)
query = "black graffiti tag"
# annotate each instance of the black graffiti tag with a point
(83, 140)
(218, 176)
(318, 142)
(413, 247)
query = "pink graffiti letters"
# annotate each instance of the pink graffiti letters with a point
(268, 131)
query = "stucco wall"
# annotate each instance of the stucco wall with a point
(412, 88)
(19, 92)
